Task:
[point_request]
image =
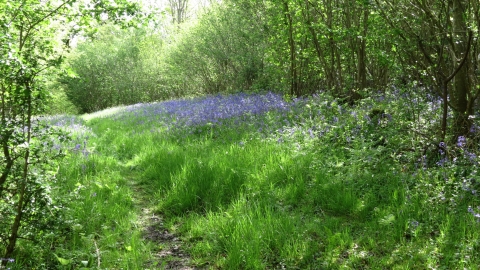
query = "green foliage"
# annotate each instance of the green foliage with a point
(28, 154)
(294, 47)
(217, 55)
(316, 184)
(111, 70)
(30, 148)
(322, 185)
(58, 103)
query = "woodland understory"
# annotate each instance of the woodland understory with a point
(292, 134)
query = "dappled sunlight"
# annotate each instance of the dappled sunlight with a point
(239, 134)
(312, 170)
(104, 113)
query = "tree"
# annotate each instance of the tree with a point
(27, 49)
(442, 37)
(178, 10)
(223, 52)
(106, 71)
(294, 87)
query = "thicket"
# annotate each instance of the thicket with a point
(30, 49)
(349, 49)
(119, 67)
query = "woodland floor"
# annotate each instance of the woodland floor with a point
(168, 252)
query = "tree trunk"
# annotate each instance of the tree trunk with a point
(293, 61)
(461, 86)
(361, 53)
(316, 44)
(22, 199)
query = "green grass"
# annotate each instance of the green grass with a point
(243, 200)
(101, 216)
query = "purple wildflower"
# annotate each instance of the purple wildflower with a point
(310, 131)
(414, 224)
(461, 141)
(475, 214)
(471, 156)
(388, 116)
(474, 129)
(77, 147)
(354, 114)
(442, 161)
(367, 118)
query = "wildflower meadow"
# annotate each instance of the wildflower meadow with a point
(239, 134)
(260, 181)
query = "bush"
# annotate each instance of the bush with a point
(117, 68)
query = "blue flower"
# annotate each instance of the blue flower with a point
(310, 132)
(442, 161)
(475, 214)
(77, 147)
(474, 129)
(414, 224)
(471, 156)
(461, 141)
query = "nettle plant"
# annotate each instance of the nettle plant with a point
(29, 47)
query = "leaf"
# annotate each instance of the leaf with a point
(62, 260)
(387, 220)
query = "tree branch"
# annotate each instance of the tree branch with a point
(465, 56)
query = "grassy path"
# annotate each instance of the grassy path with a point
(166, 248)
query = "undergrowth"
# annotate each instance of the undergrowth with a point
(307, 184)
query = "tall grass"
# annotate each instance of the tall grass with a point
(310, 184)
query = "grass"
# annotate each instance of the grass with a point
(309, 185)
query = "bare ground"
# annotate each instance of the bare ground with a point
(168, 252)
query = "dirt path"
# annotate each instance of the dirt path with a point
(168, 253)
(168, 250)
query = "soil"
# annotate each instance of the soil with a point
(169, 253)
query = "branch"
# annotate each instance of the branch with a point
(387, 18)
(465, 56)
(32, 25)
(50, 14)
(425, 54)
(16, 14)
